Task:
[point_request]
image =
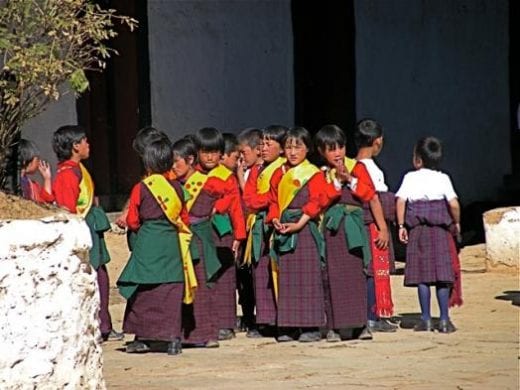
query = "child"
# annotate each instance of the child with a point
(226, 283)
(206, 184)
(250, 147)
(30, 162)
(153, 280)
(369, 140)
(296, 200)
(73, 189)
(348, 250)
(256, 198)
(428, 213)
(144, 136)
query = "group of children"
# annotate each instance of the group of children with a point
(307, 248)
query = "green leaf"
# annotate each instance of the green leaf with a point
(78, 81)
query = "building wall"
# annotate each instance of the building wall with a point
(438, 68)
(226, 64)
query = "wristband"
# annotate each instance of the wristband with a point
(400, 226)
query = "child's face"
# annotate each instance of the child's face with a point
(32, 167)
(249, 155)
(230, 161)
(334, 156)
(182, 166)
(295, 151)
(82, 148)
(209, 159)
(271, 150)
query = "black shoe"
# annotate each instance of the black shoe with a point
(423, 326)
(309, 337)
(226, 334)
(381, 326)
(253, 334)
(174, 347)
(113, 336)
(446, 326)
(365, 334)
(332, 336)
(137, 347)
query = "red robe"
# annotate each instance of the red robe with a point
(34, 191)
(66, 185)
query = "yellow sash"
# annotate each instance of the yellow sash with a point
(86, 192)
(264, 179)
(263, 184)
(197, 180)
(171, 205)
(292, 181)
(350, 163)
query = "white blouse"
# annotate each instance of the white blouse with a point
(426, 184)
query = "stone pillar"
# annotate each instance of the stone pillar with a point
(49, 303)
(502, 227)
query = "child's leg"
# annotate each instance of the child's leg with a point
(371, 299)
(443, 297)
(424, 301)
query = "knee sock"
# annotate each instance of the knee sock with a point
(443, 298)
(424, 301)
(371, 299)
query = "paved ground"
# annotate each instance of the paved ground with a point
(482, 354)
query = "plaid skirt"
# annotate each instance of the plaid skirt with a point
(154, 312)
(345, 285)
(199, 319)
(226, 285)
(105, 321)
(428, 257)
(301, 301)
(264, 292)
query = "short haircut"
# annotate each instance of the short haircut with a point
(157, 156)
(251, 137)
(301, 134)
(144, 136)
(275, 132)
(367, 131)
(64, 139)
(27, 151)
(330, 136)
(184, 148)
(209, 139)
(230, 143)
(429, 150)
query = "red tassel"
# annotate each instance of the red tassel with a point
(456, 291)
(381, 270)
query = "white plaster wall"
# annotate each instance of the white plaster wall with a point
(49, 301)
(502, 227)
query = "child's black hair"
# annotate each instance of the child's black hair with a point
(367, 131)
(331, 137)
(209, 139)
(185, 148)
(276, 133)
(301, 134)
(429, 150)
(64, 139)
(27, 151)
(146, 135)
(251, 137)
(230, 143)
(157, 156)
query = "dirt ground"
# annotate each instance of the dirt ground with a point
(482, 354)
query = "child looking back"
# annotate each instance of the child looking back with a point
(428, 216)
(30, 163)
(73, 190)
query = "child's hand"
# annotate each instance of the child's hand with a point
(382, 239)
(277, 225)
(291, 227)
(44, 169)
(235, 248)
(121, 220)
(403, 235)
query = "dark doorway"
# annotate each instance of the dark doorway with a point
(324, 64)
(116, 106)
(514, 84)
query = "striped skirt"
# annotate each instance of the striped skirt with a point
(344, 283)
(301, 301)
(154, 312)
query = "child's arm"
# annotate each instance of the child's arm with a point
(400, 210)
(377, 211)
(273, 213)
(455, 212)
(45, 171)
(66, 189)
(121, 220)
(133, 221)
